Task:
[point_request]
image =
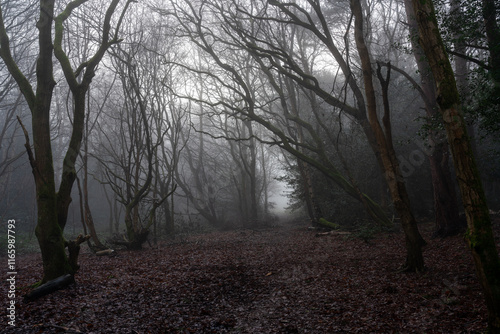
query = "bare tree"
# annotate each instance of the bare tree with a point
(169, 117)
(259, 39)
(196, 176)
(383, 135)
(203, 37)
(137, 151)
(90, 126)
(207, 179)
(141, 145)
(53, 205)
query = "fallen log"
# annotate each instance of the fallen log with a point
(105, 252)
(325, 223)
(49, 287)
(322, 234)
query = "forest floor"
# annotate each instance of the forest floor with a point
(274, 280)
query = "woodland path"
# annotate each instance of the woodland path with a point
(274, 280)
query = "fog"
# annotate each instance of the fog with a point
(224, 122)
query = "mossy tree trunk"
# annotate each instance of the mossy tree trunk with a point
(48, 232)
(479, 236)
(445, 197)
(52, 205)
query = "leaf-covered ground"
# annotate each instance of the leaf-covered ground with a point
(275, 280)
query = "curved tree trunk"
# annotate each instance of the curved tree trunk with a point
(479, 236)
(393, 175)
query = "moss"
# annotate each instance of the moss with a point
(471, 239)
(448, 94)
(324, 222)
(50, 236)
(35, 285)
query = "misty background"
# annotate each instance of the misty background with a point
(209, 121)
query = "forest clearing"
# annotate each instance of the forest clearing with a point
(285, 279)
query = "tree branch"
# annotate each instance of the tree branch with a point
(14, 70)
(471, 59)
(31, 157)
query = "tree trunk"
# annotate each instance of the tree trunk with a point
(49, 233)
(461, 68)
(169, 221)
(52, 206)
(89, 221)
(111, 212)
(131, 226)
(252, 174)
(313, 208)
(479, 236)
(445, 198)
(395, 181)
(493, 37)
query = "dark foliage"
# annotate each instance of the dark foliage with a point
(279, 280)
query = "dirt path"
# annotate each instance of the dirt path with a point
(279, 280)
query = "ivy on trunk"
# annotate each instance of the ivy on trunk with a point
(479, 235)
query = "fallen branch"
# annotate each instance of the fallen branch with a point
(49, 287)
(322, 234)
(65, 329)
(105, 252)
(325, 223)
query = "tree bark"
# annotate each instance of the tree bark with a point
(393, 175)
(49, 233)
(479, 235)
(89, 220)
(74, 250)
(445, 198)
(313, 208)
(493, 38)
